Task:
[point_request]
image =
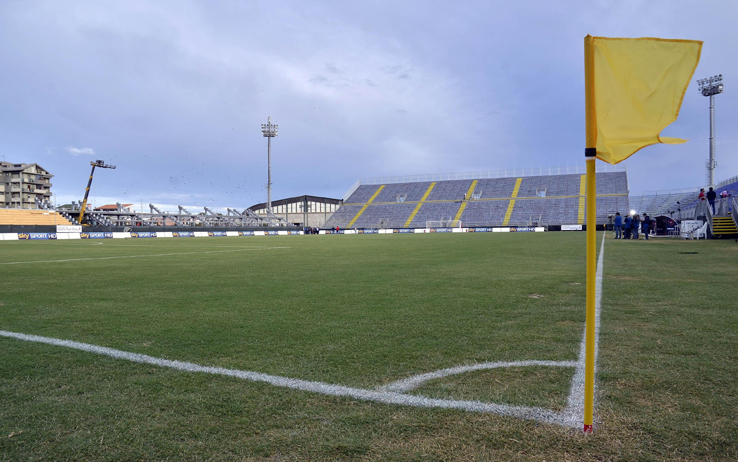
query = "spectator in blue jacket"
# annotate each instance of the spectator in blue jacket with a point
(618, 226)
(646, 224)
(628, 222)
(634, 226)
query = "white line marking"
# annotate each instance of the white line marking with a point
(137, 256)
(387, 397)
(571, 416)
(574, 411)
(415, 381)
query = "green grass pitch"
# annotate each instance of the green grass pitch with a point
(364, 311)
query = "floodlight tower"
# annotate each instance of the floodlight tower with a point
(711, 87)
(269, 130)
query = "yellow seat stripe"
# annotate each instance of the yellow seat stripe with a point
(420, 204)
(511, 205)
(371, 199)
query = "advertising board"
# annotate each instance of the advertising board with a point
(36, 236)
(68, 229)
(143, 234)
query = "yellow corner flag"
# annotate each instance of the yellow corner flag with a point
(633, 90)
(639, 85)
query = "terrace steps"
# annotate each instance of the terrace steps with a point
(723, 226)
(31, 217)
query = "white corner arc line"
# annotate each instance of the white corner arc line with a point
(571, 416)
(415, 381)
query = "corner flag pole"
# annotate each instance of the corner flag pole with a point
(590, 154)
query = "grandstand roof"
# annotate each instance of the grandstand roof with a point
(296, 200)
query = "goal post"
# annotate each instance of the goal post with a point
(444, 223)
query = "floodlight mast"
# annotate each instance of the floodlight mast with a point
(269, 130)
(97, 163)
(710, 87)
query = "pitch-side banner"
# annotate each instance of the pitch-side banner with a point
(68, 229)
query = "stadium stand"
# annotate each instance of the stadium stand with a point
(540, 200)
(687, 207)
(31, 217)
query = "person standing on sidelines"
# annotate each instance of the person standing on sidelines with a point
(646, 224)
(627, 227)
(618, 226)
(711, 195)
(634, 226)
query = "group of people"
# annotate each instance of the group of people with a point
(711, 195)
(317, 230)
(628, 228)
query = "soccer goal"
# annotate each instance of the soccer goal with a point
(443, 223)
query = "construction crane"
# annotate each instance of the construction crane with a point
(97, 163)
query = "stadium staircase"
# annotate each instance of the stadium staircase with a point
(724, 226)
(366, 205)
(469, 195)
(420, 204)
(511, 205)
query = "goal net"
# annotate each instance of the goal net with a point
(445, 223)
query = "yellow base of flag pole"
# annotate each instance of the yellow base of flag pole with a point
(590, 152)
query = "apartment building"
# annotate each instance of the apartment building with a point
(22, 184)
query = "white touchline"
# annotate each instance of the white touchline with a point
(138, 256)
(394, 393)
(574, 411)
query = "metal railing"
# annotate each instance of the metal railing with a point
(727, 182)
(708, 215)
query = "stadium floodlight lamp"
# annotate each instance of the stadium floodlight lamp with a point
(711, 86)
(269, 130)
(632, 212)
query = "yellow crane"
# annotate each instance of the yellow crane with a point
(97, 163)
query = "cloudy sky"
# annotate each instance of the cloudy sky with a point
(174, 92)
